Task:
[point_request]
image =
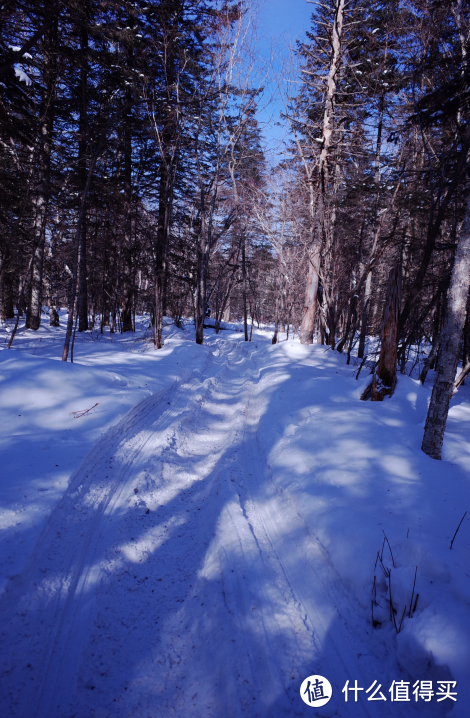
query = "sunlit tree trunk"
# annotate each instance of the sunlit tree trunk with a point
(450, 345)
(314, 252)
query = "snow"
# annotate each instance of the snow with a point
(38, 395)
(206, 537)
(21, 74)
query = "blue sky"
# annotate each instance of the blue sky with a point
(285, 16)
(278, 19)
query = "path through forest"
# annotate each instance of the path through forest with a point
(177, 578)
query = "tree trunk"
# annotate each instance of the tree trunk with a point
(165, 201)
(113, 322)
(276, 323)
(73, 289)
(353, 331)
(82, 178)
(2, 284)
(466, 336)
(351, 320)
(127, 284)
(54, 319)
(429, 360)
(43, 173)
(450, 343)
(158, 317)
(224, 313)
(19, 307)
(314, 252)
(245, 314)
(385, 378)
(7, 310)
(308, 319)
(201, 281)
(332, 325)
(365, 316)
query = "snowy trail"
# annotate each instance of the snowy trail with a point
(175, 578)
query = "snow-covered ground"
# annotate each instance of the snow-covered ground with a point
(206, 536)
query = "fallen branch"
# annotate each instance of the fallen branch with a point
(82, 412)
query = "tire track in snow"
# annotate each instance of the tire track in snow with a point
(313, 591)
(148, 608)
(308, 579)
(43, 616)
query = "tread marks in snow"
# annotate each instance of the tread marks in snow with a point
(204, 602)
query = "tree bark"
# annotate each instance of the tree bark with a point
(365, 316)
(73, 290)
(168, 141)
(276, 322)
(161, 246)
(82, 178)
(201, 289)
(429, 360)
(450, 344)
(6, 285)
(43, 174)
(353, 331)
(466, 336)
(308, 319)
(368, 287)
(245, 313)
(127, 283)
(385, 378)
(314, 252)
(350, 321)
(54, 319)
(21, 295)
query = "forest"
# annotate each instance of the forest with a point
(234, 358)
(135, 179)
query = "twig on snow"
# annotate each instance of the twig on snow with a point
(458, 528)
(402, 617)
(392, 610)
(390, 548)
(413, 592)
(82, 412)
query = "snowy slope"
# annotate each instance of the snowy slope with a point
(203, 552)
